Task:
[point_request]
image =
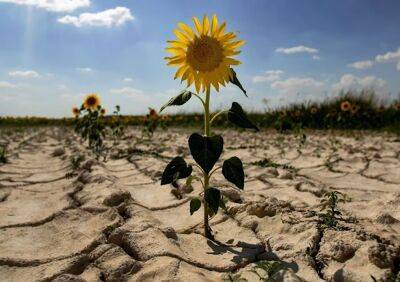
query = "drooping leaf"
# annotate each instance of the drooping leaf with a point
(206, 150)
(212, 197)
(175, 170)
(237, 116)
(232, 169)
(178, 100)
(235, 80)
(195, 205)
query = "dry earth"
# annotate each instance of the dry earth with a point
(112, 221)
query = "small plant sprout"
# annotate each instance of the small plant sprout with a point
(75, 161)
(203, 57)
(90, 125)
(117, 127)
(330, 203)
(3, 158)
(264, 270)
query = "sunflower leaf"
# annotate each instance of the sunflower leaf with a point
(206, 150)
(238, 117)
(195, 205)
(212, 197)
(232, 169)
(176, 169)
(178, 100)
(235, 80)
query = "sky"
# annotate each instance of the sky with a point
(54, 52)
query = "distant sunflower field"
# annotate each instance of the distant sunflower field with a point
(351, 110)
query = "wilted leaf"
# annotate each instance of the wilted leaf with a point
(206, 150)
(235, 80)
(195, 205)
(237, 116)
(175, 170)
(179, 100)
(232, 169)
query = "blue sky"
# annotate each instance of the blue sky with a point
(54, 52)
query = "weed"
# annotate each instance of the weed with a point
(3, 157)
(330, 203)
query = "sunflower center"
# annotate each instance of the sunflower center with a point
(204, 53)
(91, 101)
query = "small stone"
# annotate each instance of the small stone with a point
(58, 152)
(382, 255)
(386, 219)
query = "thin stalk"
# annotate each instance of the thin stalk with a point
(218, 114)
(207, 131)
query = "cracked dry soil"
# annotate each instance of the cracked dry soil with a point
(112, 221)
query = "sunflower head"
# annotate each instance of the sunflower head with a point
(92, 101)
(152, 113)
(75, 111)
(203, 55)
(397, 106)
(354, 109)
(313, 110)
(345, 106)
(102, 111)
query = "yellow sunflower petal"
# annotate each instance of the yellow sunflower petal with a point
(206, 25)
(198, 26)
(214, 24)
(186, 29)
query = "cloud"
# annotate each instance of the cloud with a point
(389, 57)
(295, 85)
(296, 50)
(6, 84)
(85, 70)
(316, 57)
(107, 18)
(128, 79)
(24, 74)
(268, 76)
(52, 5)
(361, 65)
(129, 91)
(398, 66)
(349, 82)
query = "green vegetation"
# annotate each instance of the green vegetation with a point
(3, 158)
(329, 202)
(365, 112)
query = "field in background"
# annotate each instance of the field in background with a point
(363, 111)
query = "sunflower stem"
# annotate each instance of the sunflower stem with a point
(218, 114)
(207, 132)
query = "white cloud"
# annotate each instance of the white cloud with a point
(129, 91)
(24, 74)
(52, 5)
(316, 57)
(85, 70)
(349, 82)
(107, 18)
(297, 49)
(295, 85)
(6, 84)
(389, 57)
(268, 76)
(361, 65)
(128, 79)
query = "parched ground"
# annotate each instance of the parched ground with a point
(112, 221)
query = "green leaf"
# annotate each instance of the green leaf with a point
(175, 170)
(235, 80)
(238, 117)
(206, 150)
(212, 197)
(195, 205)
(232, 169)
(179, 100)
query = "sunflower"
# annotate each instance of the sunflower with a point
(75, 111)
(152, 114)
(102, 112)
(354, 109)
(203, 55)
(345, 106)
(397, 106)
(92, 101)
(313, 110)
